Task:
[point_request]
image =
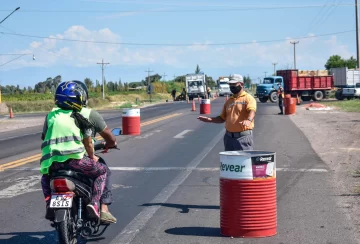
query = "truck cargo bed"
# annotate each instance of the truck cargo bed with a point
(293, 82)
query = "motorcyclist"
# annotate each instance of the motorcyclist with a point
(66, 140)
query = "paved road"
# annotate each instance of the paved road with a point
(16, 142)
(166, 187)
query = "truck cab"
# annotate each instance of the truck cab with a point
(195, 85)
(223, 86)
(268, 89)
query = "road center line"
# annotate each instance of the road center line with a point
(181, 134)
(37, 157)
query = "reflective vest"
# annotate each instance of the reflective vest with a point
(63, 139)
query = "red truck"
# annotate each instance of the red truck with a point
(308, 85)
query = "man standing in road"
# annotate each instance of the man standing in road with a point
(238, 114)
(280, 93)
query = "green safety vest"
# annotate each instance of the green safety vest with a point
(63, 139)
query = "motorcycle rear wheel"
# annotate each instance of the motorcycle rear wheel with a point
(65, 232)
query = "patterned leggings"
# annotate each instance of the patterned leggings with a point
(88, 167)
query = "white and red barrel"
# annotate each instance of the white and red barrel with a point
(205, 106)
(248, 204)
(131, 121)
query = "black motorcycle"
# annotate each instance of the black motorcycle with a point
(71, 192)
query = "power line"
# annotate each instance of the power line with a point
(12, 60)
(179, 10)
(179, 44)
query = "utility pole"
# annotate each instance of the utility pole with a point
(274, 68)
(164, 75)
(357, 34)
(102, 68)
(265, 74)
(294, 43)
(149, 83)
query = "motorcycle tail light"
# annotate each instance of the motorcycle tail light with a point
(62, 185)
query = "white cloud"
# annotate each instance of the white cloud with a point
(312, 53)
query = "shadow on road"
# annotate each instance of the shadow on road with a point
(29, 237)
(49, 237)
(184, 208)
(195, 231)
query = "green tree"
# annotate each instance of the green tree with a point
(197, 70)
(89, 83)
(336, 61)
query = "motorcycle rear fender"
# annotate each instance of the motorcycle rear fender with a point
(60, 215)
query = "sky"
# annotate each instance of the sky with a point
(166, 36)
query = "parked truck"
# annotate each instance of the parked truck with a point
(315, 85)
(223, 86)
(346, 83)
(195, 85)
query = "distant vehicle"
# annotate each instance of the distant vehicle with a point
(346, 82)
(223, 86)
(308, 85)
(195, 85)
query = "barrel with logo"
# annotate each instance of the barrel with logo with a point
(205, 107)
(290, 107)
(248, 194)
(131, 121)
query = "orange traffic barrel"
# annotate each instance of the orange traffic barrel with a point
(205, 107)
(131, 121)
(290, 106)
(248, 194)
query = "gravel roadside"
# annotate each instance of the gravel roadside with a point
(335, 136)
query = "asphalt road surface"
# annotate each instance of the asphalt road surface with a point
(166, 186)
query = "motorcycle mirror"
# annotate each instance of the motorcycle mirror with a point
(116, 131)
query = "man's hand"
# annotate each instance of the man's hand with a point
(246, 123)
(95, 159)
(204, 119)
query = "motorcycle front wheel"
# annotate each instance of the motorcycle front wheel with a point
(66, 231)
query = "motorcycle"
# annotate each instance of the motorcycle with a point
(71, 192)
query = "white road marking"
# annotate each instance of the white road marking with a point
(351, 149)
(181, 135)
(22, 186)
(146, 135)
(134, 227)
(138, 169)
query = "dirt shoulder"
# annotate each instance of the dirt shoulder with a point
(335, 136)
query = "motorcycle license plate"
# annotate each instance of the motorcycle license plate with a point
(61, 201)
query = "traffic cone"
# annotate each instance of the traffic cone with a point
(11, 113)
(298, 101)
(198, 98)
(193, 105)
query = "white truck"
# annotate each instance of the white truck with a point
(223, 86)
(347, 82)
(195, 85)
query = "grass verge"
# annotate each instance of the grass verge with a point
(112, 101)
(346, 106)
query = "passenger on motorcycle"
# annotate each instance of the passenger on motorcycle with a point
(65, 144)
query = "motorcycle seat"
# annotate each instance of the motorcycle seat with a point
(73, 174)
